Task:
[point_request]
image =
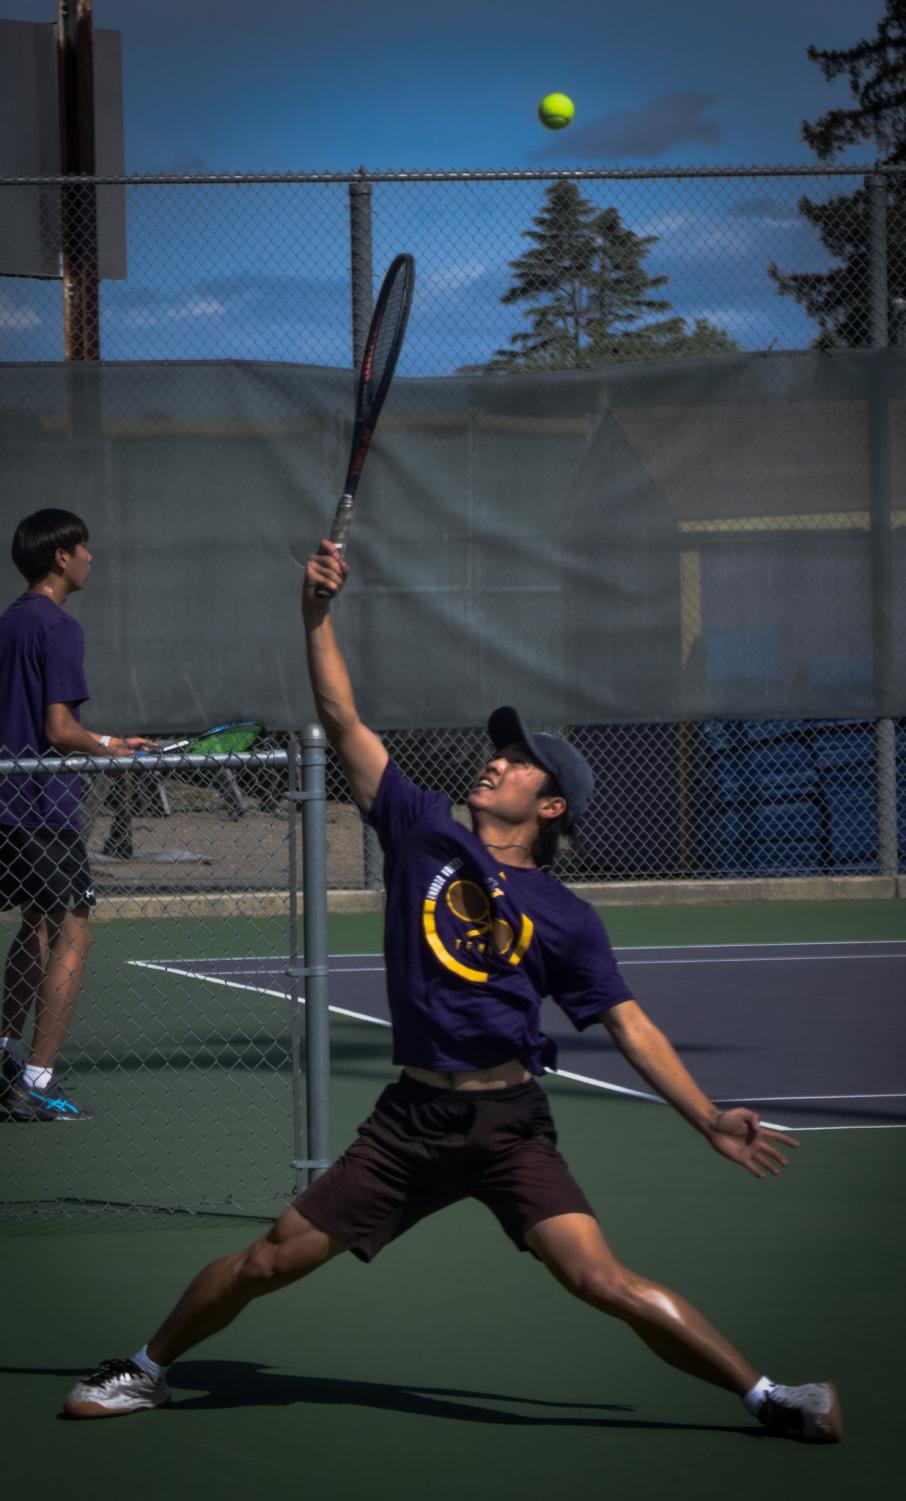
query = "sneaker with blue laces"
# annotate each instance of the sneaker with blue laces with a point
(26, 1102)
(115, 1388)
(810, 1413)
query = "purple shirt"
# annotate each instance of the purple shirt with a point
(472, 947)
(42, 653)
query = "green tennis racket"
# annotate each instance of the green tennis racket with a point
(222, 739)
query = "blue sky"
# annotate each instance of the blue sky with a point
(221, 85)
(288, 85)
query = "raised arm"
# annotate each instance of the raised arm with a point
(362, 753)
(737, 1134)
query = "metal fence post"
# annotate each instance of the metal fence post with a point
(881, 557)
(314, 923)
(78, 200)
(360, 262)
(295, 1020)
(314, 971)
(362, 302)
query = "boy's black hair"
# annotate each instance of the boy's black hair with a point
(38, 536)
(546, 845)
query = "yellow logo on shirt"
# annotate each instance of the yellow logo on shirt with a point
(475, 930)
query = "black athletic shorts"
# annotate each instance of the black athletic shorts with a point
(44, 868)
(423, 1148)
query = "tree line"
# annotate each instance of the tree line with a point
(588, 297)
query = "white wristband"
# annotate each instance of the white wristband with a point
(105, 740)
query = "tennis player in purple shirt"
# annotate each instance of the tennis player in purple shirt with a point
(476, 934)
(43, 864)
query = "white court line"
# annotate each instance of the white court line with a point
(280, 995)
(379, 969)
(772, 959)
(622, 952)
(641, 1094)
(816, 943)
(637, 1094)
(622, 1089)
(875, 1126)
(361, 969)
(767, 1099)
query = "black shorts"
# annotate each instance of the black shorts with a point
(424, 1148)
(44, 868)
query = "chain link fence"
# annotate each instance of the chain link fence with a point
(520, 271)
(193, 1078)
(516, 270)
(186, 1037)
(525, 271)
(188, 1041)
(719, 800)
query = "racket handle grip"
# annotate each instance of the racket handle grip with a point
(342, 521)
(339, 535)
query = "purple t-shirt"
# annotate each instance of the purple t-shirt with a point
(42, 652)
(472, 947)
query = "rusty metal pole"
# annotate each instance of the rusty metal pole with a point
(78, 203)
(882, 585)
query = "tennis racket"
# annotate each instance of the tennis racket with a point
(222, 739)
(382, 347)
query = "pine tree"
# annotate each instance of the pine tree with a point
(553, 277)
(589, 295)
(838, 299)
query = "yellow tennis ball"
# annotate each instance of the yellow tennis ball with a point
(556, 110)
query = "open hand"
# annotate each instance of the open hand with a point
(739, 1135)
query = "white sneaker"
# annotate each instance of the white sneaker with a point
(810, 1414)
(116, 1387)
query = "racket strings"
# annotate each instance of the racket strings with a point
(224, 739)
(387, 335)
(471, 906)
(229, 741)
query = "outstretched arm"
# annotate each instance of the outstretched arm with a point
(362, 753)
(68, 737)
(737, 1134)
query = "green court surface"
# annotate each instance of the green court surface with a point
(454, 1366)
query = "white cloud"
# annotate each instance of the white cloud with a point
(196, 307)
(457, 275)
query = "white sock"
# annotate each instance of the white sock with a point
(150, 1367)
(753, 1399)
(37, 1078)
(12, 1045)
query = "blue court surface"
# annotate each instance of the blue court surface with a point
(811, 1035)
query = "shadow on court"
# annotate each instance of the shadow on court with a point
(232, 1384)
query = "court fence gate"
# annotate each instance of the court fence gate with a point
(201, 1036)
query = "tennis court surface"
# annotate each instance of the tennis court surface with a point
(812, 1035)
(452, 1362)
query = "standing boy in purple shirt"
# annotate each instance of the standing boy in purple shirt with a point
(43, 863)
(476, 934)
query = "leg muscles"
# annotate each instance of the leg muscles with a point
(69, 940)
(24, 972)
(292, 1249)
(574, 1250)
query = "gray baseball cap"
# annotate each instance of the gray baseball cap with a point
(556, 755)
